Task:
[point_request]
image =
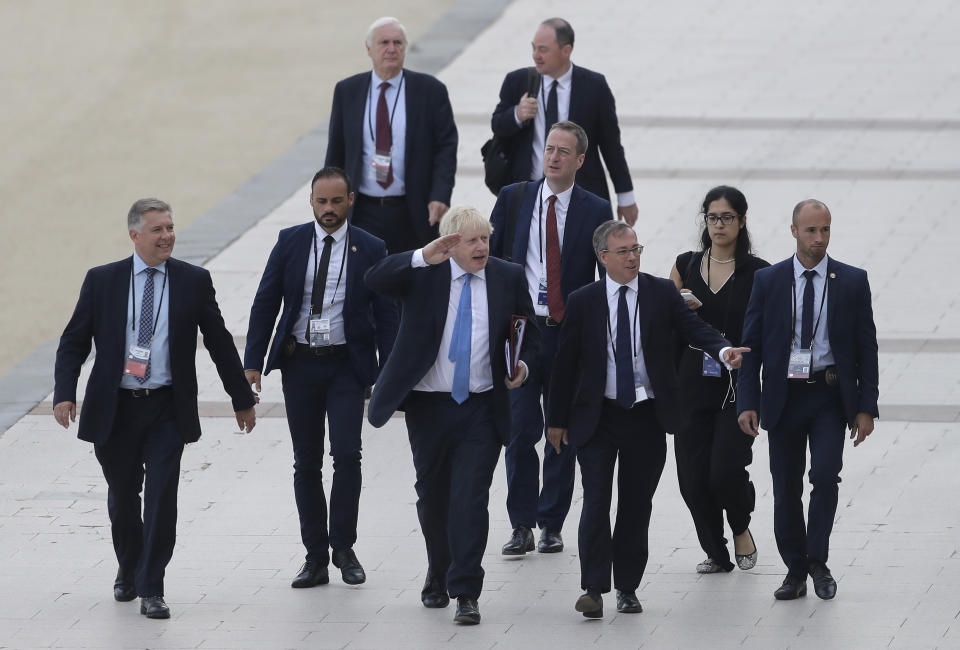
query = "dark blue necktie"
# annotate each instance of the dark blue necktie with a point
(550, 117)
(626, 389)
(806, 321)
(145, 331)
(459, 351)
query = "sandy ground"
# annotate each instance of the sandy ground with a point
(105, 102)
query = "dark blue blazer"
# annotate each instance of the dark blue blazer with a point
(425, 293)
(430, 157)
(768, 331)
(369, 321)
(591, 106)
(578, 261)
(580, 367)
(101, 317)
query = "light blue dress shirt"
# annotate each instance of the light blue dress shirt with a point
(396, 107)
(160, 348)
(822, 355)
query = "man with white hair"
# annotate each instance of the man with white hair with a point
(448, 372)
(392, 130)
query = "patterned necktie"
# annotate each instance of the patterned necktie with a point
(554, 296)
(551, 114)
(626, 389)
(806, 322)
(145, 331)
(459, 351)
(320, 282)
(384, 135)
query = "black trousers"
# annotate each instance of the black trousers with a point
(634, 438)
(455, 450)
(814, 413)
(144, 443)
(712, 456)
(391, 222)
(316, 389)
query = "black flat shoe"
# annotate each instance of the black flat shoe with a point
(748, 561)
(550, 541)
(628, 603)
(823, 583)
(123, 591)
(350, 569)
(434, 593)
(312, 573)
(590, 604)
(791, 589)
(154, 607)
(468, 611)
(520, 542)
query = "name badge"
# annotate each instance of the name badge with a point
(799, 366)
(319, 332)
(381, 167)
(542, 293)
(137, 359)
(711, 367)
(641, 395)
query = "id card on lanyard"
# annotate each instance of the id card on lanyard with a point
(138, 357)
(800, 365)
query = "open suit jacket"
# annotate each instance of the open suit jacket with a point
(578, 261)
(580, 368)
(430, 157)
(101, 316)
(425, 293)
(591, 106)
(369, 321)
(768, 330)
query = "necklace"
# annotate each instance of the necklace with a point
(710, 253)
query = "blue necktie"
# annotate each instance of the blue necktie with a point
(459, 351)
(626, 389)
(806, 322)
(145, 331)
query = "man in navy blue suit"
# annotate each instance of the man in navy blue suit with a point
(325, 346)
(392, 130)
(140, 405)
(448, 372)
(566, 92)
(549, 232)
(810, 325)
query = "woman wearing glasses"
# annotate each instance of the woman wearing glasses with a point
(712, 452)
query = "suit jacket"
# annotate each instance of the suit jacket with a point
(369, 321)
(580, 367)
(768, 331)
(101, 316)
(425, 293)
(591, 106)
(578, 261)
(430, 157)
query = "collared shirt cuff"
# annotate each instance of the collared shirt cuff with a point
(625, 199)
(417, 260)
(516, 117)
(526, 374)
(722, 352)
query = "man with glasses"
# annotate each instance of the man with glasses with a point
(613, 395)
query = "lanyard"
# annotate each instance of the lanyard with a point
(633, 335)
(316, 270)
(133, 302)
(793, 296)
(541, 237)
(371, 109)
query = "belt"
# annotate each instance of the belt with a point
(143, 392)
(825, 377)
(384, 201)
(546, 321)
(612, 403)
(329, 352)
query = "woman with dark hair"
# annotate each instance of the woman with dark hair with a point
(712, 452)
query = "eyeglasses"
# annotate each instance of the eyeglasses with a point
(726, 218)
(623, 252)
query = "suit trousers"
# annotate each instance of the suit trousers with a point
(521, 457)
(455, 451)
(712, 456)
(392, 222)
(634, 438)
(812, 412)
(315, 389)
(144, 444)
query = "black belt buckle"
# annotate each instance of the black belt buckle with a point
(144, 392)
(548, 321)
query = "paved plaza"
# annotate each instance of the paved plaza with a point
(854, 103)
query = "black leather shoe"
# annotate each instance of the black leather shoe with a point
(434, 593)
(123, 590)
(312, 573)
(791, 589)
(468, 612)
(823, 583)
(346, 560)
(590, 604)
(520, 542)
(550, 541)
(154, 607)
(628, 603)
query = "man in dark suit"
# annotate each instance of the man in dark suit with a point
(613, 395)
(140, 405)
(448, 372)
(550, 235)
(566, 92)
(392, 130)
(325, 346)
(810, 325)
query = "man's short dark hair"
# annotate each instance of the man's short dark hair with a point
(563, 29)
(820, 205)
(331, 172)
(576, 130)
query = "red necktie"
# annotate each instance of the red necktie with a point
(554, 298)
(384, 137)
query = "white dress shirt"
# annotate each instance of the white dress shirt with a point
(336, 288)
(640, 376)
(397, 108)
(822, 355)
(536, 263)
(160, 346)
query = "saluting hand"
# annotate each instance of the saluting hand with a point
(440, 249)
